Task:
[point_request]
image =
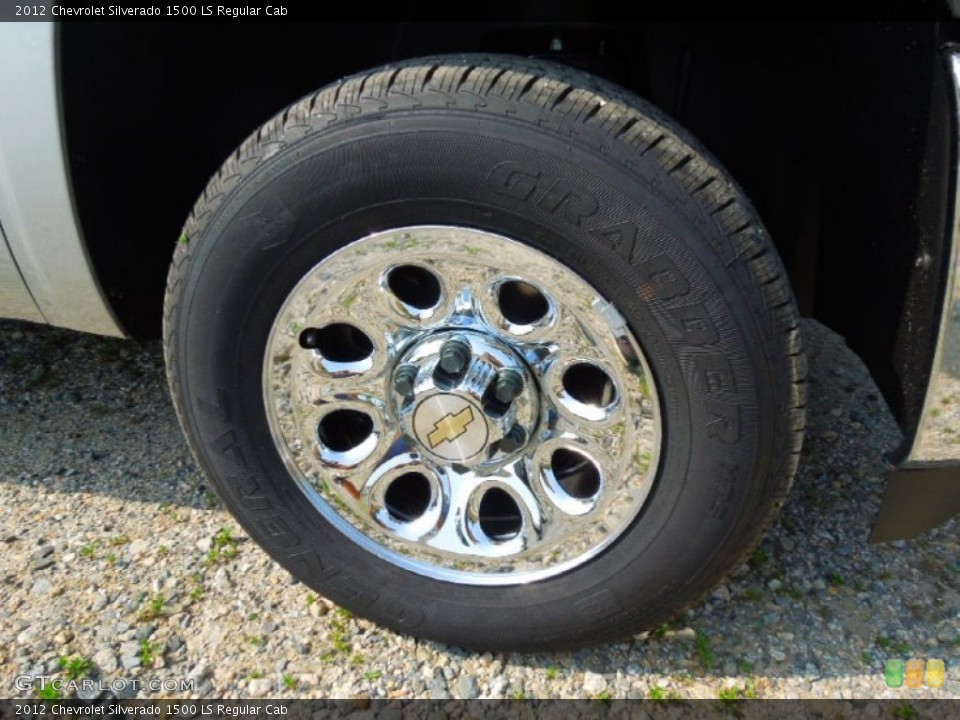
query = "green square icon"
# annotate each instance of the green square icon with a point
(894, 673)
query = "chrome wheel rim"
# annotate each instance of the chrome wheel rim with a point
(462, 405)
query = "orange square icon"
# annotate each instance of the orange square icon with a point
(914, 673)
(936, 673)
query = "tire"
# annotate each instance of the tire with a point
(488, 351)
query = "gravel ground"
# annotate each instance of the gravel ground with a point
(115, 552)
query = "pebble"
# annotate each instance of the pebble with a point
(467, 687)
(687, 634)
(201, 670)
(319, 609)
(105, 660)
(949, 634)
(89, 692)
(721, 593)
(129, 647)
(437, 689)
(260, 687)
(124, 688)
(594, 684)
(42, 586)
(222, 581)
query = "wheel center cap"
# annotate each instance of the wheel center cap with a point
(451, 426)
(466, 397)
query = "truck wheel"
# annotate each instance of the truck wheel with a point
(488, 351)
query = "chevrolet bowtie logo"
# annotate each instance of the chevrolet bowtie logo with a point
(450, 427)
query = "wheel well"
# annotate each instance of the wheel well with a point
(839, 134)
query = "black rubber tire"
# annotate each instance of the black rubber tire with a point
(602, 181)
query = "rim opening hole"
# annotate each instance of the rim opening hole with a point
(408, 497)
(590, 385)
(343, 430)
(338, 342)
(575, 473)
(500, 516)
(521, 303)
(414, 286)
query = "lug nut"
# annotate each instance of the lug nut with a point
(310, 339)
(454, 356)
(508, 386)
(405, 379)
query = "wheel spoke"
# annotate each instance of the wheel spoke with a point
(566, 343)
(318, 388)
(401, 493)
(450, 535)
(495, 516)
(397, 451)
(538, 515)
(343, 436)
(605, 442)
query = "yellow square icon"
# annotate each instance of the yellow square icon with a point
(914, 673)
(936, 673)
